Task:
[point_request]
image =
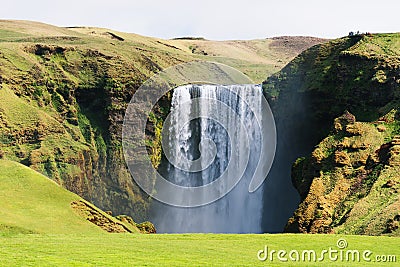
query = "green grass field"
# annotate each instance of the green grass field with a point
(183, 249)
(39, 228)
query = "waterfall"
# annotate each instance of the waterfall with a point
(213, 145)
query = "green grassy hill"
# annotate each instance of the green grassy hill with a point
(32, 203)
(63, 94)
(255, 58)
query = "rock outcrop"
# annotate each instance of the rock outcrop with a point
(353, 186)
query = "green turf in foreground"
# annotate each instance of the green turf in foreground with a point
(181, 249)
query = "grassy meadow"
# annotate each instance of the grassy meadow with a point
(183, 249)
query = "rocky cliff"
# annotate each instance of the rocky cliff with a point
(346, 170)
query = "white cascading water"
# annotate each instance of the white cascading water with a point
(239, 211)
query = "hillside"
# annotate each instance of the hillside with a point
(64, 92)
(255, 58)
(340, 119)
(32, 203)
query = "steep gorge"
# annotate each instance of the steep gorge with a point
(64, 93)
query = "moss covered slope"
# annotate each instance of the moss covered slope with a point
(348, 182)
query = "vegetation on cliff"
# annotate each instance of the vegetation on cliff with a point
(348, 182)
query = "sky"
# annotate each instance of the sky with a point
(215, 19)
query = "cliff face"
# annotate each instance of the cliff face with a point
(63, 98)
(63, 117)
(64, 92)
(347, 182)
(350, 183)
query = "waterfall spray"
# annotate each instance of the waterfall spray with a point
(210, 142)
